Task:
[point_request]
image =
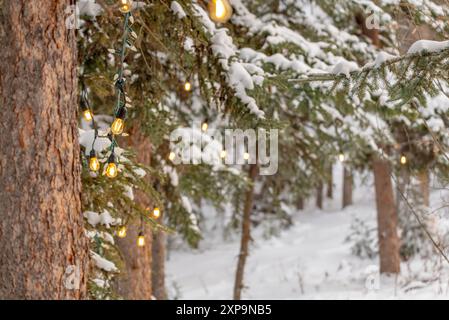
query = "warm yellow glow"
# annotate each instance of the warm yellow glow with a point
(111, 170)
(94, 164)
(140, 241)
(246, 156)
(223, 154)
(172, 156)
(220, 10)
(125, 6)
(403, 160)
(87, 115)
(187, 86)
(204, 126)
(341, 157)
(117, 126)
(122, 232)
(156, 213)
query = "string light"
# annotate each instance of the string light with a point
(341, 157)
(220, 10)
(87, 114)
(246, 156)
(122, 232)
(119, 123)
(187, 86)
(223, 154)
(111, 169)
(403, 159)
(125, 6)
(171, 156)
(141, 240)
(94, 164)
(156, 213)
(204, 126)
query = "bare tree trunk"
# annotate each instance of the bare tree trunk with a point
(330, 183)
(347, 187)
(319, 196)
(135, 283)
(424, 186)
(387, 218)
(300, 204)
(43, 249)
(159, 254)
(246, 233)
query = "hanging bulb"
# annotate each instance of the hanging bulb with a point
(187, 86)
(87, 115)
(341, 157)
(246, 156)
(125, 6)
(119, 123)
(403, 160)
(223, 154)
(171, 156)
(141, 240)
(204, 126)
(111, 169)
(94, 164)
(122, 232)
(220, 10)
(156, 213)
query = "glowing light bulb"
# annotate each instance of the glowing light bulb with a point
(88, 115)
(122, 232)
(341, 157)
(94, 164)
(187, 86)
(204, 126)
(140, 240)
(119, 123)
(111, 169)
(156, 213)
(172, 156)
(220, 10)
(403, 160)
(125, 6)
(246, 156)
(223, 154)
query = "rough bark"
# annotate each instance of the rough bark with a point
(135, 283)
(43, 249)
(347, 187)
(330, 184)
(319, 196)
(246, 234)
(387, 219)
(159, 255)
(424, 186)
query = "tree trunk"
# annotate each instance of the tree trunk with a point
(246, 233)
(347, 187)
(135, 283)
(159, 254)
(43, 250)
(330, 183)
(424, 182)
(300, 204)
(387, 218)
(319, 196)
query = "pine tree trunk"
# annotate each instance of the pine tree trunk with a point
(387, 218)
(159, 254)
(424, 186)
(136, 282)
(43, 250)
(319, 196)
(300, 204)
(246, 234)
(330, 184)
(347, 187)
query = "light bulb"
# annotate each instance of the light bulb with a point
(204, 126)
(187, 86)
(172, 156)
(246, 156)
(119, 123)
(94, 164)
(111, 169)
(122, 232)
(156, 213)
(88, 115)
(341, 157)
(220, 10)
(223, 154)
(125, 6)
(403, 160)
(140, 240)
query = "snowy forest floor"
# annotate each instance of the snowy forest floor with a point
(310, 260)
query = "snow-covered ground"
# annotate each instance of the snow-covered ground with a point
(310, 260)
